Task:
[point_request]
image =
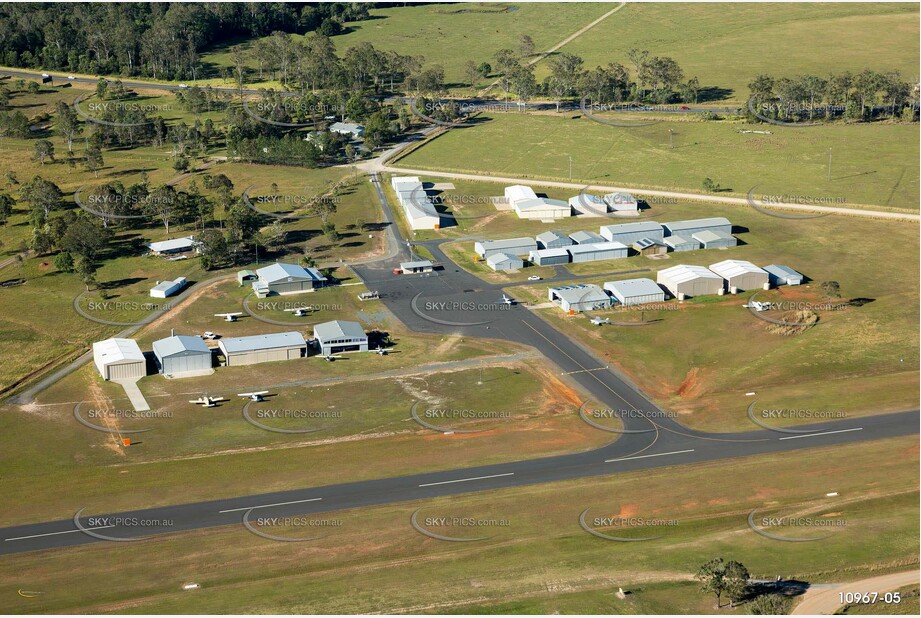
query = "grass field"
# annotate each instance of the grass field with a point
(726, 47)
(871, 164)
(451, 35)
(541, 561)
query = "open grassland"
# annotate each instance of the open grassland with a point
(725, 47)
(449, 35)
(699, 357)
(872, 164)
(539, 561)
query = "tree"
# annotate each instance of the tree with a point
(712, 578)
(64, 262)
(44, 149)
(471, 73)
(6, 207)
(87, 270)
(93, 160)
(525, 45)
(68, 124)
(43, 196)
(163, 204)
(832, 289)
(735, 581)
(214, 251)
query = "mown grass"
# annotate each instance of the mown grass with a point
(870, 162)
(542, 561)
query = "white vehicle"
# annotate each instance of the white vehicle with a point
(507, 300)
(228, 317)
(600, 321)
(45, 75)
(254, 396)
(209, 335)
(71, 77)
(533, 278)
(183, 86)
(758, 306)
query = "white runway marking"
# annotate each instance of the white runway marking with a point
(35, 536)
(474, 478)
(823, 433)
(263, 506)
(690, 450)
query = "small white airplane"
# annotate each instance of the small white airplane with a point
(758, 306)
(207, 401)
(255, 396)
(300, 311)
(382, 351)
(507, 300)
(331, 357)
(228, 317)
(600, 321)
(208, 335)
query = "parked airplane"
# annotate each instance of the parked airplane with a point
(228, 317)
(600, 321)
(207, 401)
(331, 357)
(507, 300)
(382, 351)
(256, 396)
(300, 311)
(758, 306)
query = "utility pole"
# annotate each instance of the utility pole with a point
(829, 165)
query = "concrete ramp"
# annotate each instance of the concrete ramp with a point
(134, 394)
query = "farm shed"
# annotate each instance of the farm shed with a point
(779, 274)
(629, 233)
(690, 280)
(182, 354)
(635, 291)
(262, 348)
(741, 275)
(119, 359)
(340, 336)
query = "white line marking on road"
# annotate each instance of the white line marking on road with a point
(35, 536)
(823, 433)
(474, 478)
(263, 506)
(690, 450)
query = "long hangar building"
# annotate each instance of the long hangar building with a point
(262, 348)
(181, 354)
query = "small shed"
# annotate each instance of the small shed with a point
(549, 257)
(419, 266)
(648, 246)
(163, 289)
(504, 261)
(681, 243)
(245, 275)
(779, 274)
(715, 239)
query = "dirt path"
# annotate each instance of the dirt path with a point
(827, 600)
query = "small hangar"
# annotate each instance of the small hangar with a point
(741, 275)
(685, 280)
(779, 274)
(340, 336)
(182, 354)
(629, 233)
(635, 291)
(504, 261)
(119, 359)
(581, 297)
(692, 226)
(281, 278)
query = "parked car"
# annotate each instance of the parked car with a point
(533, 278)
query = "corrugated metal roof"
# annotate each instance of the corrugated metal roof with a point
(711, 235)
(179, 343)
(281, 271)
(687, 272)
(338, 329)
(583, 237)
(262, 342)
(547, 237)
(519, 192)
(638, 226)
(495, 258)
(582, 293)
(597, 246)
(783, 272)
(695, 223)
(634, 287)
(166, 286)
(555, 252)
(644, 243)
(675, 240)
(172, 245)
(417, 264)
(734, 268)
(117, 350)
(491, 245)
